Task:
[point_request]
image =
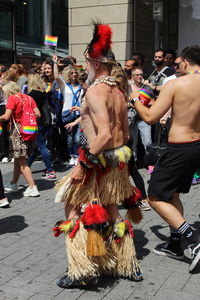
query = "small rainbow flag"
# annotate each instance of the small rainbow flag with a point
(0, 129)
(51, 40)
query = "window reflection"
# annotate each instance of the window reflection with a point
(6, 29)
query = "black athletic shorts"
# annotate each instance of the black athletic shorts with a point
(174, 170)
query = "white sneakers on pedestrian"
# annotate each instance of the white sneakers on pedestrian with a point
(11, 187)
(72, 162)
(5, 160)
(31, 192)
(4, 202)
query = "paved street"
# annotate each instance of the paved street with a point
(31, 259)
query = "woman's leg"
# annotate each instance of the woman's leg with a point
(16, 171)
(2, 195)
(26, 171)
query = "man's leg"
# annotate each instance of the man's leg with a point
(172, 213)
(173, 247)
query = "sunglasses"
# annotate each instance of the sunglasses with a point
(176, 65)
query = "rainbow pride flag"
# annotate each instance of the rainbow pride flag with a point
(0, 129)
(30, 129)
(51, 40)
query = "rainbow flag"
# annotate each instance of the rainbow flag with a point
(0, 129)
(51, 40)
(29, 129)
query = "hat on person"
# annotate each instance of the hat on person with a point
(100, 46)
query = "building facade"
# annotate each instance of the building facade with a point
(138, 25)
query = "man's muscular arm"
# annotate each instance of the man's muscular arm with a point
(160, 106)
(96, 98)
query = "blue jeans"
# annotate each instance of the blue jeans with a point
(73, 140)
(41, 141)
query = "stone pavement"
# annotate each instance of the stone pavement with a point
(31, 259)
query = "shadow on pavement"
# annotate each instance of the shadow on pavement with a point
(44, 184)
(155, 229)
(12, 224)
(140, 241)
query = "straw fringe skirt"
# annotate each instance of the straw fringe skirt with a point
(111, 188)
(120, 260)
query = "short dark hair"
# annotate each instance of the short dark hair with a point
(140, 55)
(172, 52)
(192, 54)
(161, 50)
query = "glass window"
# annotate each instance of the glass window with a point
(60, 22)
(6, 28)
(29, 21)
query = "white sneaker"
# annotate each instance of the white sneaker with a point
(31, 192)
(11, 187)
(75, 161)
(12, 160)
(72, 161)
(4, 202)
(5, 160)
(144, 205)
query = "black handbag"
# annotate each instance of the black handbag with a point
(156, 150)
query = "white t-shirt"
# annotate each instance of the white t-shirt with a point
(169, 78)
(68, 95)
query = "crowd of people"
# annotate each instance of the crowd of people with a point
(91, 119)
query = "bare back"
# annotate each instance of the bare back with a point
(113, 101)
(185, 122)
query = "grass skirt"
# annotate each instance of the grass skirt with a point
(120, 260)
(111, 188)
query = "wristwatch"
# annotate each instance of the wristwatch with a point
(133, 100)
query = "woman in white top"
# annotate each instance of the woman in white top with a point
(72, 94)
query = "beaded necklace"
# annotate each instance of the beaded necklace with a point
(195, 71)
(105, 79)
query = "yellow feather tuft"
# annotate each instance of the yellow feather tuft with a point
(102, 160)
(128, 152)
(121, 156)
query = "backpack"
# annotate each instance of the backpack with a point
(28, 127)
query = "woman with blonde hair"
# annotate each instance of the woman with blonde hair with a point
(36, 91)
(19, 148)
(72, 93)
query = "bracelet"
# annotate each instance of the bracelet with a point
(89, 159)
(55, 62)
(134, 100)
(84, 165)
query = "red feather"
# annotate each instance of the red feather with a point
(103, 41)
(94, 214)
(129, 202)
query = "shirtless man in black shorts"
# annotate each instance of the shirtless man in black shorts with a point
(174, 171)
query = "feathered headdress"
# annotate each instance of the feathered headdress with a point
(100, 46)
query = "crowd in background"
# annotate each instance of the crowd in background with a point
(57, 85)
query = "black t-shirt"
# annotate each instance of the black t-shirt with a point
(39, 98)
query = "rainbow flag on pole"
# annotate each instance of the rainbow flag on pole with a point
(51, 40)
